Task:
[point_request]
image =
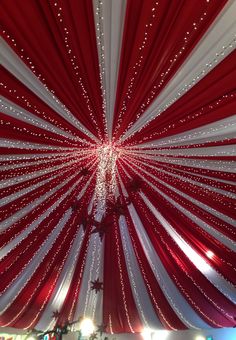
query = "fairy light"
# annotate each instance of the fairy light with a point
(201, 264)
(73, 252)
(186, 293)
(38, 258)
(21, 114)
(202, 165)
(147, 35)
(48, 267)
(15, 165)
(122, 224)
(106, 182)
(73, 59)
(19, 98)
(99, 273)
(210, 254)
(101, 54)
(189, 136)
(122, 283)
(75, 297)
(25, 187)
(197, 285)
(169, 250)
(170, 299)
(36, 222)
(55, 227)
(22, 212)
(193, 302)
(94, 245)
(153, 297)
(24, 176)
(39, 87)
(203, 190)
(135, 127)
(191, 206)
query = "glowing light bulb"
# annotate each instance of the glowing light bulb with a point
(87, 327)
(151, 334)
(200, 337)
(31, 337)
(160, 335)
(210, 254)
(146, 333)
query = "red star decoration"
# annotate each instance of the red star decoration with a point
(86, 221)
(84, 171)
(102, 227)
(118, 207)
(55, 314)
(135, 184)
(96, 285)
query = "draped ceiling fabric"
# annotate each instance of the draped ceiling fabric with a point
(117, 143)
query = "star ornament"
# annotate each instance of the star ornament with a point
(55, 314)
(84, 172)
(118, 208)
(96, 285)
(135, 184)
(102, 227)
(86, 221)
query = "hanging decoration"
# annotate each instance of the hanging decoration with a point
(96, 285)
(55, 314)
(101, 228)
(106, 182)
(84, 172)
(118, 207)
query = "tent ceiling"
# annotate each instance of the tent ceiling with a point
(117, 142)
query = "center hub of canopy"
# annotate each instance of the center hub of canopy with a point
(106, 181)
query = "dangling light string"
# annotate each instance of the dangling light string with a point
(106, 183)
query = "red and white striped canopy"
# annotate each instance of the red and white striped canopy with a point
(117, 142)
